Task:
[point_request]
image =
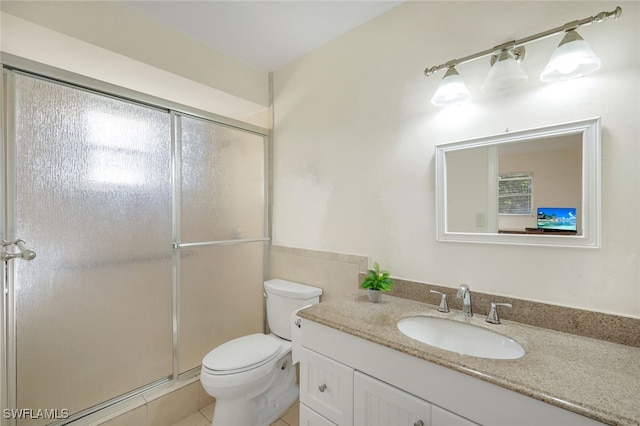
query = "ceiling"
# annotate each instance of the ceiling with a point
(265, 34)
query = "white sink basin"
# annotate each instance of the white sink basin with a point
(460, 337)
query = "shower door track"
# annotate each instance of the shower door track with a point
(112, 402)
(37, 69)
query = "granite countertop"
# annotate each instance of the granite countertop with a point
(591, 377)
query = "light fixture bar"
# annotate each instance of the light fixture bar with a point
(600, 17)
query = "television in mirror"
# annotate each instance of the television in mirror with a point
(556, 219)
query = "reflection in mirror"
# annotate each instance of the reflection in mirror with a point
(539, 186)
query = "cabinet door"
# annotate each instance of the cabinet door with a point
(308, 417)
(442, 417)
(326, 386)
(379, 404)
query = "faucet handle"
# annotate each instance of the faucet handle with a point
(493, 312)
(444, 307)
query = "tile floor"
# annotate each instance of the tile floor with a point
(203, 417)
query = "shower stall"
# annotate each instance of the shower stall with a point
(134, 238)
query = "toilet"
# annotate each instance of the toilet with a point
(253, 378)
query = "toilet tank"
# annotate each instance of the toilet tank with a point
(284, 298)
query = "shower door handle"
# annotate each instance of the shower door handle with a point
(22, 253)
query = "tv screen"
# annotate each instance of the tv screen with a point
(557, 218)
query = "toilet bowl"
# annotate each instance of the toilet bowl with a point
(253, 378)
(240, 391)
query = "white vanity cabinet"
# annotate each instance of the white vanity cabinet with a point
(379, 404)
(442, 417)
(308, 417)
(332, 393)
(349, 381)
(326, 386)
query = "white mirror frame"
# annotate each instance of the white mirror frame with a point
(590, 237)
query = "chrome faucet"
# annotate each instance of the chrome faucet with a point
(444, 306)
(493, 317)
(465, 294)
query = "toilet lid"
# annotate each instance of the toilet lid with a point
(241, 353)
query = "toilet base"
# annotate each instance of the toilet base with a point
(273, 412)
(245, 412)
(265, 408)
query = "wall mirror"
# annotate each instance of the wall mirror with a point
(535, 187)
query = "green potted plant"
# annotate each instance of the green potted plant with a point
(376, 281)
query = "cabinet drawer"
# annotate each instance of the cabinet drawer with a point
(308, 417)
(379, 404)
(442, 417)
(326, 386)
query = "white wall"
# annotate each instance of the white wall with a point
(141, 55)
(355, 136)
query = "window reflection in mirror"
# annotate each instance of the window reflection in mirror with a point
(539, 186)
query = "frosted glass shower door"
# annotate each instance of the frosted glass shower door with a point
(90, 192)
(222, 236)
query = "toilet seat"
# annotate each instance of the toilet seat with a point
(242, 354)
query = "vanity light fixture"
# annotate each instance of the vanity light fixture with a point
(451, 90)
(573, 58)
(505, 71)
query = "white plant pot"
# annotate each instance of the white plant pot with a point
(374, 296)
